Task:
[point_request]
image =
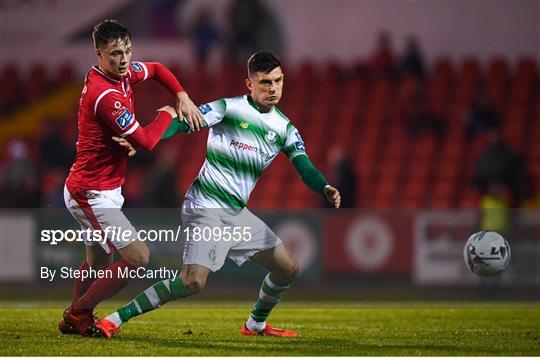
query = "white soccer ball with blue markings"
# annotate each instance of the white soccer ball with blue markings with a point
(486, 253)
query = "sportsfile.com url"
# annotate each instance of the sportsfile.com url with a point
(117, 234)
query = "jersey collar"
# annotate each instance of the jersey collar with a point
(95, 68)
(254, 105)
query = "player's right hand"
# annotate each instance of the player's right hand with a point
(333, 196)
(185, 107)
(170, 110)
(124, 143)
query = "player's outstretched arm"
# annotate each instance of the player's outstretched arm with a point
(160, 73)
(212, 113)
(147, 137)
(315, 180)
(179, 125)
(176, 126)
(113, 110)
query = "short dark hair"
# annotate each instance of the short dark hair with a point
(262, 61)
(110, 30)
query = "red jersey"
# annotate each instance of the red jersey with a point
(106, 109)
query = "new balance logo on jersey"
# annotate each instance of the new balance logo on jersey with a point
(136, 67)
(205, 108)
(124, 119)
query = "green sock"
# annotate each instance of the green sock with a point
(272, 290)
(153, 297)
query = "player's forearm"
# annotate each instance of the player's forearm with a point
(150, 135)
(178, 126)
(165, 77)
(310, 175)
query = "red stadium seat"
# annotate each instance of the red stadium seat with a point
(386, 190)
(10, 88)
(414, 189)
(447, 170)
(390, 170)
(470, 198)
(497, 82)
(65, 74)
(443, 68)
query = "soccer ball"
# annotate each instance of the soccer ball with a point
(486, 253)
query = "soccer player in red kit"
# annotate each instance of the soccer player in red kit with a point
(93, 188)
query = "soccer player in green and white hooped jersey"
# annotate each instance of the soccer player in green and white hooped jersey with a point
(246, 134)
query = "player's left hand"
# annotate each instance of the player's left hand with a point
(333, 196)
(186, 108)
(124, 143)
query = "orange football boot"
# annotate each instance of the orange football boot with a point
(268, 331)
(105, 328)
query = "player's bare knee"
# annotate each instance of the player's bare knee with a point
(194, 285)
(194, 282)
(292, 270)
(137, 256)
(194, 277)
(140, 259)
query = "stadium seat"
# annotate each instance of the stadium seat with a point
(470, 198)
(10, 88)
(497, 82)
(413, 190)
(418, 170)
(65, 74)
(443, 68)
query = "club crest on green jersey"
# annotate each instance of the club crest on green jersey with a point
(270, 136)
(212, 254)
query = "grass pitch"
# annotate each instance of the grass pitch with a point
(330, 328)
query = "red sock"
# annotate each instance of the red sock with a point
(80, 287)
(103, 288)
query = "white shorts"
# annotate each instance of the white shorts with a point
(210, 247)
(100, 210)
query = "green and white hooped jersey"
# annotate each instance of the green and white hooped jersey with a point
(242, 143)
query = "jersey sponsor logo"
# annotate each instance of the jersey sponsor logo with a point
(136, 67)
(244, 125)
(125, 119)
(251, 148)
(118, 108)
(116, 111)
(270, 136)
(205, 108)
(300, 146)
